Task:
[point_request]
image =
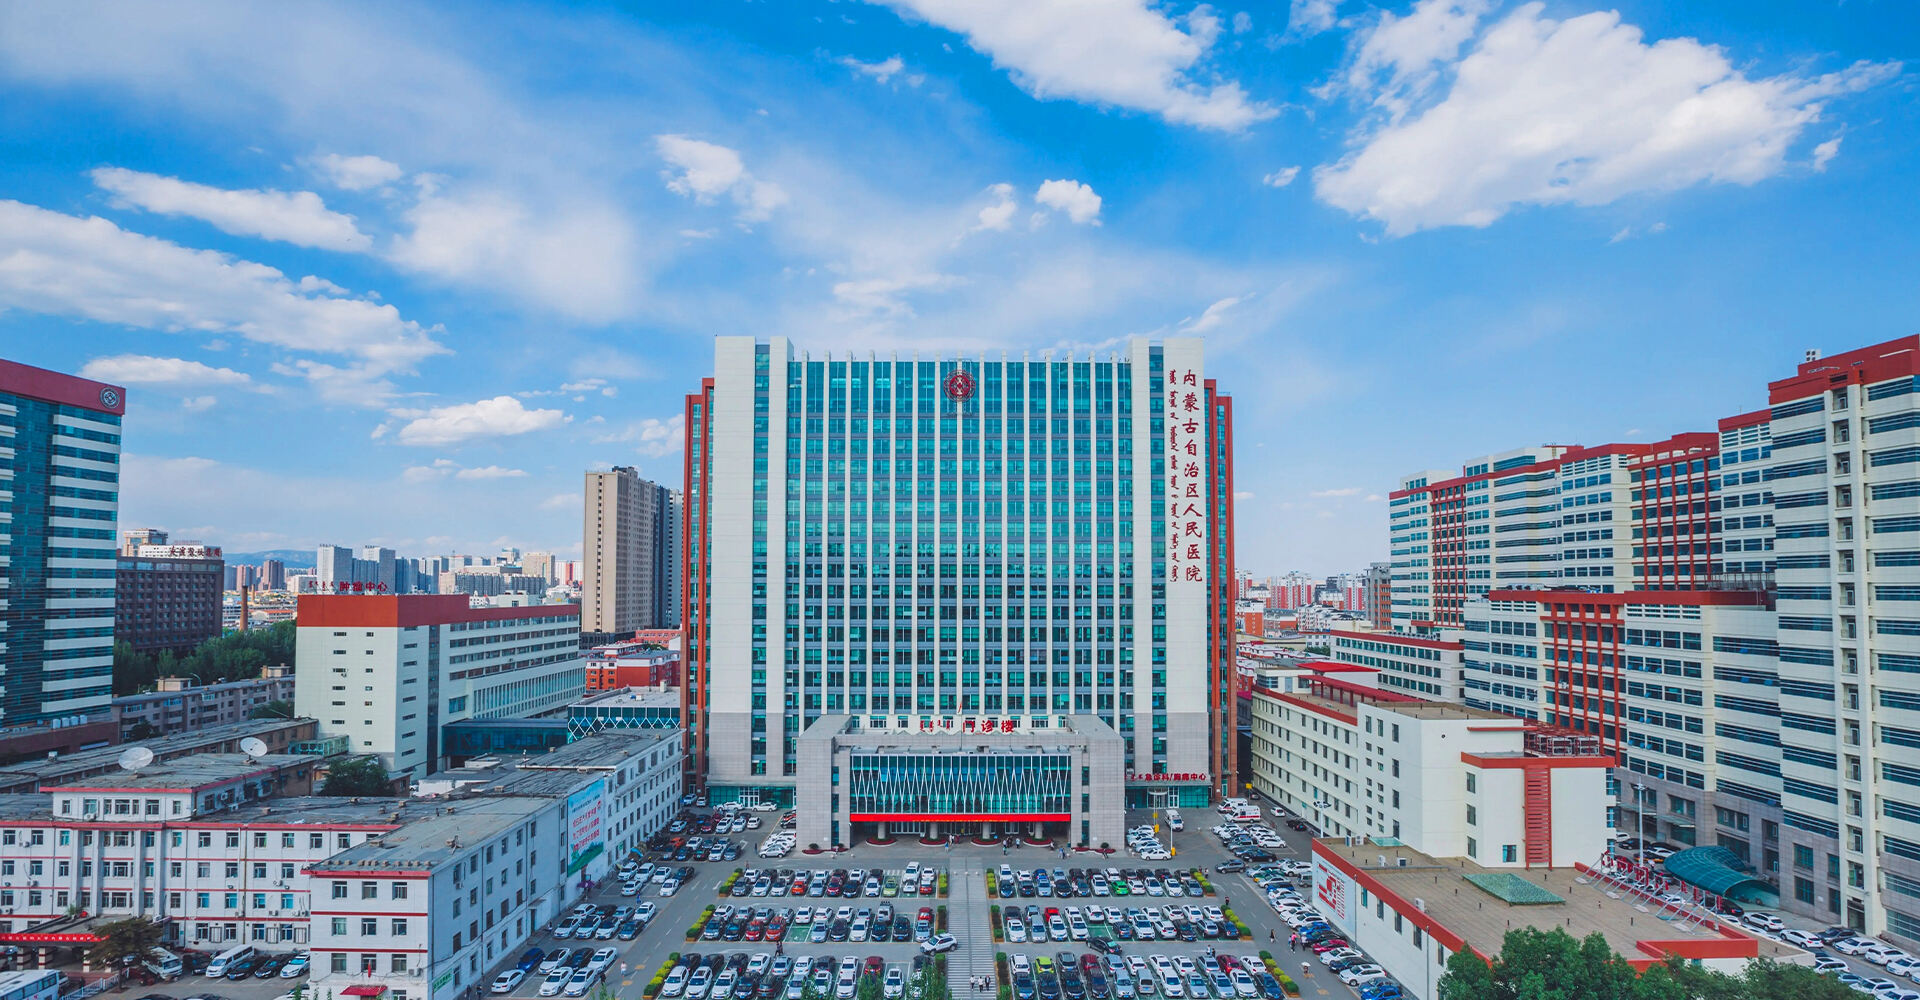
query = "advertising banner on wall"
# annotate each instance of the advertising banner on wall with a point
(586, 825)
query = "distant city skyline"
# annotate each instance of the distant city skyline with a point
(413, 311)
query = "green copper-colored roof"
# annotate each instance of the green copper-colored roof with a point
(1511, 888)
(1711, 868)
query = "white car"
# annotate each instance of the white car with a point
(555, 982)
(1907, 966)
(1805, 939)
(1367, 972)
(939, 943)
(675, 983)
(295, 967)
(554, 959)
(1336, 954)
(700, 983)
(1016, 930)
(1854, 945)
(508, 981)
(1764, 921)
(602, 958)
(1882, 954)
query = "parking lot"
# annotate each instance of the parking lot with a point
(642, 940)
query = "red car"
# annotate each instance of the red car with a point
(874, 966)
(777, 931)
(1328, 945)
(756, 930)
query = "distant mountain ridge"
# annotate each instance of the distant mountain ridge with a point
(293, 558)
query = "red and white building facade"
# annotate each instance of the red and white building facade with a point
(387, 671)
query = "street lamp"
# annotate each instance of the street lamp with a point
(1640, 823)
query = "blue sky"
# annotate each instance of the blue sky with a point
(400, 273)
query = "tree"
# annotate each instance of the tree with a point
(235, 657)
(280, 708)
(124, 940)
(1551, 964)
(143, 730)
(361, 776)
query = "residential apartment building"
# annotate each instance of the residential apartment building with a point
(389, 671)
(1748, 661)
(1379, 595)
(178, 704)
(167, 595)
(60, 489)
(931, 544)
(631, 544)
(1407, 664)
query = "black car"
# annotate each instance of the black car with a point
(1835, 933)
(243, 968)
(881, 931)
(1049, 986)
(1105, 946)
(838, 930)
(1070, 983)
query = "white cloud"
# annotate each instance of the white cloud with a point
(196, 404)
(586, 385)
(91, 269)
(881, 72)
(1214, 315)
(577, 258)
(1400, 59)
(1123, 53)
(299, 217)
(999, 215)
(1072, 197)
(1242, 22)
(1545, 112)
(560, 501)
(704, 171)
(1344, 491)
(490, 472)
(1825, 152)
(887, 296)
(1243, 494)
(145, 369)
(652, 437)
(501, 416)
(1310, 17)
(356, 173)
(1281, 178)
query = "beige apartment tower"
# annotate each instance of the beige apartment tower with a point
(630, 545)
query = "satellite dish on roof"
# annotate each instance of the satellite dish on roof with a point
(253, 746)
(135, 758)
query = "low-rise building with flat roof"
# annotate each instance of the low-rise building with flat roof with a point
(1411, 911)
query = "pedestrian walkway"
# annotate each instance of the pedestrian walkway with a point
(967, 919)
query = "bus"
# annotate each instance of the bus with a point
(31, 984)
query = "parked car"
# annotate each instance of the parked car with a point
(508, 981)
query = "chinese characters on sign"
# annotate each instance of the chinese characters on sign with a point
(343, 587)
(1186, 494)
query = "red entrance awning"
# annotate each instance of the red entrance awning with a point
(960, 817)
(363, 991)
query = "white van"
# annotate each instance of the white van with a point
(164, 963)
(1173, 820)
(228, 959)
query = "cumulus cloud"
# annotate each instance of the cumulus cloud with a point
(89, 268)
(705, 171)
(999, 215)
(356, 173)
(560, 501)
(651, 437)
(1122, 53)
(1541, 112)
(1310, 17)
(145, 369)
(297, 217)
(1281, 178)
(501, 416)
(1072, 197)
(887, 296)
(1344, 491)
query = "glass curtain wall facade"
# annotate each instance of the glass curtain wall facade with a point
(956, 786)
(59, 499)
(923, 541)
